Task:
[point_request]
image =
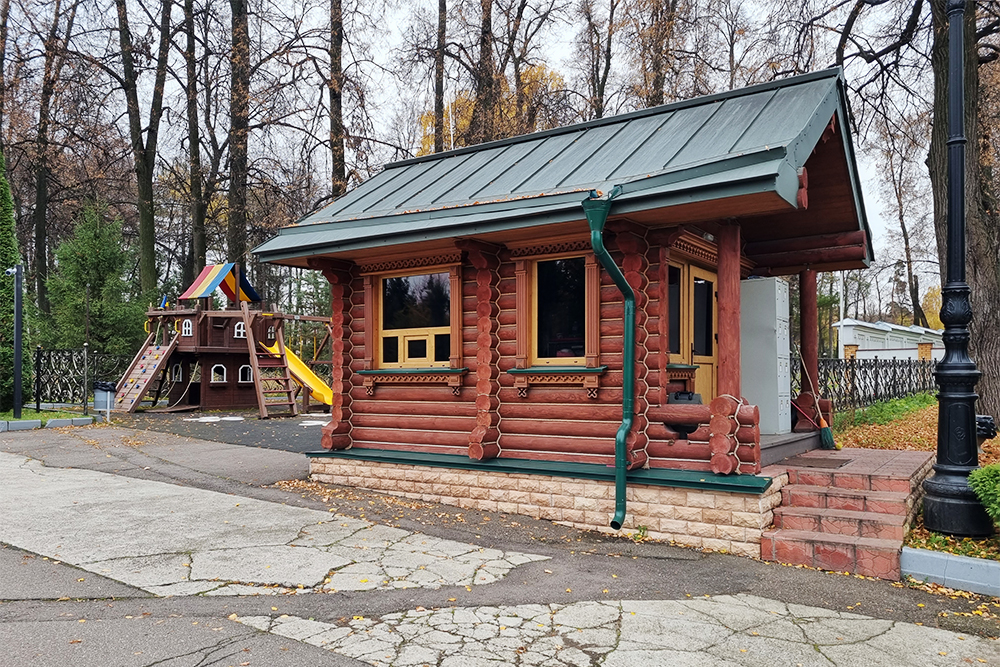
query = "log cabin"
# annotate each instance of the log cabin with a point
(551, 324)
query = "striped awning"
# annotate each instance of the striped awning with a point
(222, 276)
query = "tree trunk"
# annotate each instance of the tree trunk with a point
(144, 151)
(197, 204)
(982, 222)
(438, 76)
(4, 15)
(239, 115)
(482, 126)
(336, 86)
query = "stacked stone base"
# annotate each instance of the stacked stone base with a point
(721, 521)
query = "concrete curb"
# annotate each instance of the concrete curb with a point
(29, 424)
(976, 575)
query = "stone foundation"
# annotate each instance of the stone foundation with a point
(722, 521)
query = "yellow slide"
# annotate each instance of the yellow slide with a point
(304, 375)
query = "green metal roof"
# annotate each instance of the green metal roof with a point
(738, 142)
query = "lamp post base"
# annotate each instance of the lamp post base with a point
(951, 507)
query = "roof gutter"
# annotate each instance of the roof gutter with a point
(597, 210)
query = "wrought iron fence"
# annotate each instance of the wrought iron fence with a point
(65, 376)
(857, 383)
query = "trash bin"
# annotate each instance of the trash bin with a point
(104, 395)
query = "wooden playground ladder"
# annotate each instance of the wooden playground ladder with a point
(150, 363)
(280, 390)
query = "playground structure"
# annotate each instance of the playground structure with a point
(196, 357)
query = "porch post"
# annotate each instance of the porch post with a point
(728, 239)
(809, 329)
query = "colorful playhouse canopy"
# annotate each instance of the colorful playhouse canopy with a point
(224, 277)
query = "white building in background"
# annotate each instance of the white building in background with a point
(867, 340)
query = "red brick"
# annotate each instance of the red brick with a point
(896, 484)
(766, 546)
(833, 556)
(793, 521)
(838, 525)
(792, 551)
(810, 477)
(849, 481)
(845, 502)
(877, 562)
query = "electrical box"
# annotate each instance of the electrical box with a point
(765, 360)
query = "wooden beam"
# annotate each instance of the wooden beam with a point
(809, 326)
(814, 256)
(800, 243)
(729, 310)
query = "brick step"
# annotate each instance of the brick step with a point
(841, 522)
(904, 483)
(867, 556)
(855, 500)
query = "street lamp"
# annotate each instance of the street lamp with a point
(950, 506)
(18, 273)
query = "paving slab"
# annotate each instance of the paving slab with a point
(174, 540)
(632, 633)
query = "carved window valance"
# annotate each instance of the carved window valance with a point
(414, 376)
(406, 263)
(573, 376)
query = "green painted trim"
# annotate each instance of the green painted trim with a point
(414, 371)
(684, 479)
(543, 370)
(682, 367)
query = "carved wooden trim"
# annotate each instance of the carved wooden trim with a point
(453, 380)
(371, 308)
(550, 248)
(589, 381)
(663, 294)
(692, 246)
(522, 286)
(592, 311)
(411, 263)
(455, 281)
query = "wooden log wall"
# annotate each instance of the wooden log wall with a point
(488, 416)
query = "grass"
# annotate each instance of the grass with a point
(921, 538)
(44, 415)
(883, 413)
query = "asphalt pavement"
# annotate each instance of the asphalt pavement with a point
(177, 546)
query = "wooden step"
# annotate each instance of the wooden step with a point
(867, 556)
(841, 522)
(855, 500)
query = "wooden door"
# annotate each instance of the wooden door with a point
(702, 319)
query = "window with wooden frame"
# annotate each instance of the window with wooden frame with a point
(187, 329)
(558, 306)
(415, 326)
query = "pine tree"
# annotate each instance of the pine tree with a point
(9, 256)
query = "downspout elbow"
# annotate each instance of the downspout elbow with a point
(597, 211)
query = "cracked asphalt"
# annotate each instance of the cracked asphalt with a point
(146, 547)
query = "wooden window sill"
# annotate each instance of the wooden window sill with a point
(579, 376)
(449, 376)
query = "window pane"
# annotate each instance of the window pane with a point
(561, 308)
(442, 347)
(390, 350)
(703, 330)
(674, 308)
(416, 348)
(415, 302)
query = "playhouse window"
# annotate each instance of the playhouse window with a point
(218, 373)
(246, 373)
(415, 321)
(187, 329)
(271, 333)
(177, 373)
(240, 330)
(559, 312)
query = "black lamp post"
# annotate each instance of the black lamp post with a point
(18, 273)
(950, 506)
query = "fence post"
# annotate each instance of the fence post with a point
(85, 362)
(38, 379)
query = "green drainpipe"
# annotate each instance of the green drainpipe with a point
(597, 211)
